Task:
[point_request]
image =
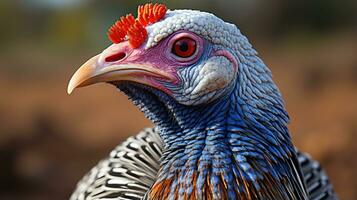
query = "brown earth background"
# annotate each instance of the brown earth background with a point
(48, 139)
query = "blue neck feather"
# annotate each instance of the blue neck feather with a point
(224, 140)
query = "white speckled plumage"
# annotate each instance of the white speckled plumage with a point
(204, 24)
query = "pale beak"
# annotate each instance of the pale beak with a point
(93, 72)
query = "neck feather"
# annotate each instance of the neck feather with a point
(227, 149)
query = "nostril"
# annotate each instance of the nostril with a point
(115, 57)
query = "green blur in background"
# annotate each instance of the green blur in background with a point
(49, 140)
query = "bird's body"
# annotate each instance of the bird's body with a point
(131, 169)
(221, 125)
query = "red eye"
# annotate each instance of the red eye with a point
(184, 47)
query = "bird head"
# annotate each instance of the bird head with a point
(188, 55)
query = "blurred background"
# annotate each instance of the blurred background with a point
(48, 140)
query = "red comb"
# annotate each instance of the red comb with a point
(118, 31)
(151, 13)
(135, 28)
(137, 34)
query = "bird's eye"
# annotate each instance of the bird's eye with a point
(184, 47)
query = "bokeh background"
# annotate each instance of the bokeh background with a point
(48, 139)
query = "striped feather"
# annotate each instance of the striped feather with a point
(317, 183)
(127, 173)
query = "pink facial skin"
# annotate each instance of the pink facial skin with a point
(159, 56)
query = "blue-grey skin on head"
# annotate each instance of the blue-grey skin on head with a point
(221, 119)
(223, 126)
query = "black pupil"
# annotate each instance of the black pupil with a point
(183, 46)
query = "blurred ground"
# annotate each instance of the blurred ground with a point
(48, 139)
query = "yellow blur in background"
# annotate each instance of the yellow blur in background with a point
(49, 140)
